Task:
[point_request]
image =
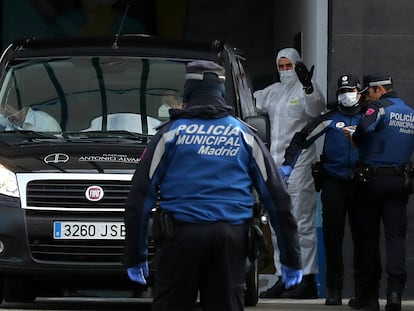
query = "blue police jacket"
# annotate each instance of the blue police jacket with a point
(207, 163)
(385, 135)
(338, 156)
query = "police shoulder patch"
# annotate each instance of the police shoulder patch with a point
(369, 111)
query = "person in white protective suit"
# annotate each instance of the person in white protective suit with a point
(291, 104)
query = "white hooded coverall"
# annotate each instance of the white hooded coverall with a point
(289, 110)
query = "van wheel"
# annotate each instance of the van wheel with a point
(251, 296)
(16, 290)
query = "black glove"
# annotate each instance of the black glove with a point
(305, 76)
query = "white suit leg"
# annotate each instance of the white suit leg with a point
(303, 195)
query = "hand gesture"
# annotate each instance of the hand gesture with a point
(305, 76)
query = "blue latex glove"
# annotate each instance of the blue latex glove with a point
(291, 277)
(285, 171)
(139, 273)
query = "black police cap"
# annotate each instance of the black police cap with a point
(372, 80)
(348, 81)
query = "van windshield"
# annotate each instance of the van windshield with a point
(98, 93)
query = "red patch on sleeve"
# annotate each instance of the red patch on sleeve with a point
(369, 111)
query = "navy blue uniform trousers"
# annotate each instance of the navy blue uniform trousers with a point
(337, 198)
(209, 259)
(382, 199)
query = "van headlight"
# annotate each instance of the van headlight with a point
(8, 182)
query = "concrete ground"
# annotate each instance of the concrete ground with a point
(313, 305)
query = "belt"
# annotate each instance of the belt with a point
(386, 170)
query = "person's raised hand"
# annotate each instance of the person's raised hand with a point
(305, 76)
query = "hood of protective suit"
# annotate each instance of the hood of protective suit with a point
(289, 53)
(288, 77)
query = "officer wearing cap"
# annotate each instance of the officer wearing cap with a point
(333, 175)
(205, 163)
(385, 141)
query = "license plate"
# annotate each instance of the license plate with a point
(88, 230)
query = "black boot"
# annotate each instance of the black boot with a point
(334, 298)
(371, 305)
(274, 291)
(305, 290)
(355, 303)
(366, 304)
(393, 302)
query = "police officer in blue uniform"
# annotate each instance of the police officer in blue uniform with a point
(333, 175)
(206, 163)
(385, 141)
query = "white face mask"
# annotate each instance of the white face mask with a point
(164, 111)
(287, 76)
(348, 99)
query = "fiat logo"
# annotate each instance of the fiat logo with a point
(94, 193)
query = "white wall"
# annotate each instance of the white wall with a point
(310, 17)
(315, 44)
(315, 39)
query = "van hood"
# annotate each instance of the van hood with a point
(70, 157)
